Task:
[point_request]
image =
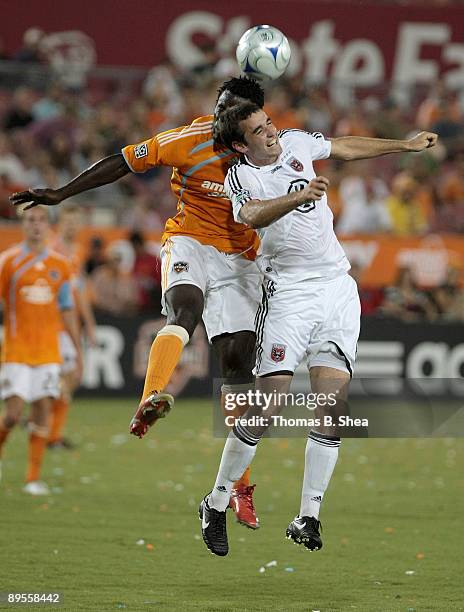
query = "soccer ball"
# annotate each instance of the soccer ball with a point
(263, 52)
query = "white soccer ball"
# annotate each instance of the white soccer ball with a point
(263, 52)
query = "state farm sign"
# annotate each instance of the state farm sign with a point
(363, 44)
(422, 51)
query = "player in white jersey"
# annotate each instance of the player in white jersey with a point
(310, 303)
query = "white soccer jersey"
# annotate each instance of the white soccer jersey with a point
(302, 244)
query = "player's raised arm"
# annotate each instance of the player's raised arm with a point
(107, 170)
(357, 147)
(261, 213)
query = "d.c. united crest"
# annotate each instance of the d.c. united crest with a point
(295, 164)
(278, 352)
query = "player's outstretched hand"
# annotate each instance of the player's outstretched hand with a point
(35, 197)
(317, 187)
(423, 140)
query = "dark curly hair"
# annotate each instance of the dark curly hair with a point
(243, 87)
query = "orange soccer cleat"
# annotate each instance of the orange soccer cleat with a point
(241, 502)
(156, 406)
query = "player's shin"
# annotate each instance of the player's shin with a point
(239, 450)
(231, 407)
(4, 433)
(59, 412)
(7, 422)
(37, 444)
(165, 354)
(320, 458)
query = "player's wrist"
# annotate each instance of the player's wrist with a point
(406, 146)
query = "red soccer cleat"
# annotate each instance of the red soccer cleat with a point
(156, 406)
(241, 502)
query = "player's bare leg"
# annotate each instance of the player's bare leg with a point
(14, 406)
(38, 435)
(236, 358)
(184, 304)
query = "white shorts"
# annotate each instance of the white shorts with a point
(68, 353)
(316, 319)
(31, 383)
(231, 284)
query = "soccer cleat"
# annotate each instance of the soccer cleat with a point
(241, 502)
(155, 407)
(36, 487)
(213, 528)
(305, 530)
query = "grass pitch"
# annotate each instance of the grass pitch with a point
(120, 530)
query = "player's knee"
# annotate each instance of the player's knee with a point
(184, 305)
(185, 318)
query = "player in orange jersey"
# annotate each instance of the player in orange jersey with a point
(35, 288)
(208, 267)
(65, 242)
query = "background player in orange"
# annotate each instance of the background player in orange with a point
(208, 267)
(35, 287)
(65, 242)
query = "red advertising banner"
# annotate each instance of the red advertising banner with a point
(361, 44)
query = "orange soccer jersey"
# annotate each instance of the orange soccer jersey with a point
(34, 288)
(199, 169)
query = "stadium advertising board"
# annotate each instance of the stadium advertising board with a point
(376, 44)
(387, 350)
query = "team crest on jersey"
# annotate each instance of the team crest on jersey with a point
(180, 266)
(278, 352)
(295, 164)
(141, 150)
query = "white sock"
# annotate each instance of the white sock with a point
(320, 459)
(236, 457)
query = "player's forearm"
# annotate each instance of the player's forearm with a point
(261, 213)
(107, 170)
(357, 147)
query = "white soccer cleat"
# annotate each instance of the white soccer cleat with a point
(36, 487)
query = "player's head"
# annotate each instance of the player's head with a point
(69, 221)
(235, 91)
(36, 225)
(247, 129)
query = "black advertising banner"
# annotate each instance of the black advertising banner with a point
(388, 351)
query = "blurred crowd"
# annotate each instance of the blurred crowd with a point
(50, 132)
(123, 278)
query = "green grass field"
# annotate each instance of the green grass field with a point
(392, 519)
